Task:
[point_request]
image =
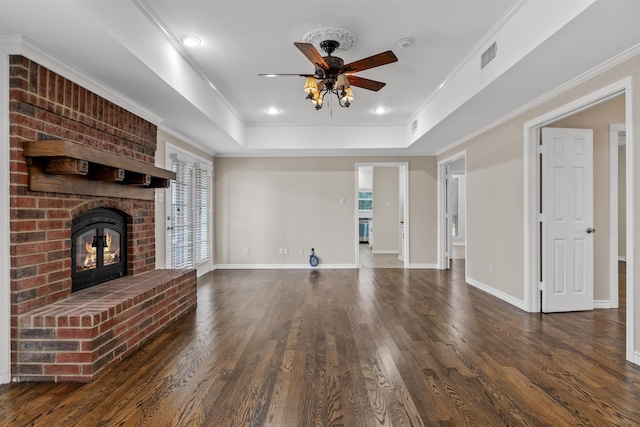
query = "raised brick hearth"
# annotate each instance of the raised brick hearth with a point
(80, 337)
(45, 106)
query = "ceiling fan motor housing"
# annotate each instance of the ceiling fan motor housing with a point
(335, 64)
(329, 46)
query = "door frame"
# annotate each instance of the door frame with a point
(614, 132)
(442, 206)
(532, 196)
(5, 234)
(403, 169)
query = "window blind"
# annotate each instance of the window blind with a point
(202, 215)
(181, 218)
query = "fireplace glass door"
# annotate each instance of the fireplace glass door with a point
(98, 248)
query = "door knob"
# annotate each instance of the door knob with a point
(591, 230)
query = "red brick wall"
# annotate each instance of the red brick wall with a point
(43, 106)
(85, 335)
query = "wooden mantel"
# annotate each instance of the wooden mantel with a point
(61, 166)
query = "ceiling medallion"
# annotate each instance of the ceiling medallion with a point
(345, 37)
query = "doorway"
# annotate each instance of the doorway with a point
(382, 215)
(452, 218)
(533, 193)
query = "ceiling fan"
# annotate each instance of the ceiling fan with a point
(332, 75)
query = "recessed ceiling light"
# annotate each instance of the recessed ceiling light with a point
(189, 40)
(269, 75)
(272, 110)
(379, 110)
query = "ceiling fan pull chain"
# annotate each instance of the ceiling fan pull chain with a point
(331, 107)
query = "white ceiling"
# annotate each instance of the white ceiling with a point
(128, 51)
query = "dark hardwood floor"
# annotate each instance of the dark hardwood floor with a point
(354, 348)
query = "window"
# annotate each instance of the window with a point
(190, 215)
(365, 200)
(202, 215)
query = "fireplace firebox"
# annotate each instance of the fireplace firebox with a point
(98, 248)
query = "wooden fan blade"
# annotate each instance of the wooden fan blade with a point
(312, 54)
(373, 61)
(365, 83)
(280, 75)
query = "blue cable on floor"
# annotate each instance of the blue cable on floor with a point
(313, 259)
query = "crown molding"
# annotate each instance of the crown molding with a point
(488, 38)
(19, 45)
(146, 10)
(595, 71)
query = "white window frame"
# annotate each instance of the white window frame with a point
(365, 199)
(197, 163)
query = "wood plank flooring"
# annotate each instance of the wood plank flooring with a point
(370, 260)
(374, 347)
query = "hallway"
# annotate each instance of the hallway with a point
(370, 260)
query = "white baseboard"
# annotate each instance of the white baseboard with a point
(636, 357)
(622, 258)
(285, 267)
(598, 304)
(384, 252)
(496, 293)
(423, 266)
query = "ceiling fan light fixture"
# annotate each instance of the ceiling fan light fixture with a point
(318, 99)
(347, 96)
(331, 75)
(310, 86)
(342, 82)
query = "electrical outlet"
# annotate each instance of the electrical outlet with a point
(245, 251)
(300, 251)
(286, 251)
(281, 251)
(490, 268)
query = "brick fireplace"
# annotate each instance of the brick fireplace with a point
(44, 106)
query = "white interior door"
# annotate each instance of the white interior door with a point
(567, 219)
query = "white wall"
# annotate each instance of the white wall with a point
(495, 192)
(365, 178)
(264, 204)
(495, 200)
(386, 210)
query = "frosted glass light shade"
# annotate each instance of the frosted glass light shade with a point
(310, 86)
(348, 95)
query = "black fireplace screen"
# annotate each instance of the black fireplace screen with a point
(98, 248)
